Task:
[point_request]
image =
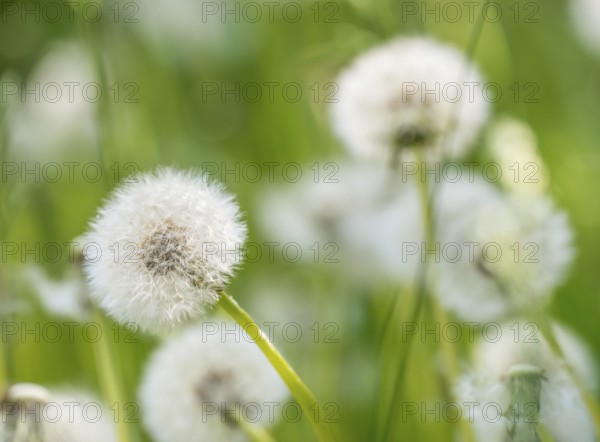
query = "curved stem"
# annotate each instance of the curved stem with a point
(299, 390)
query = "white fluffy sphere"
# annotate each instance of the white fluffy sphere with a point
(503, 255)
(199, 383)
(406, 95)
(161, 248)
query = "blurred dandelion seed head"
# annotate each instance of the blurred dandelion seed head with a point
(520, 368)
(522, 252)
(386, 110)
(41, 128)
(200, 369)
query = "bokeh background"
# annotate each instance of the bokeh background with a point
(157, 63)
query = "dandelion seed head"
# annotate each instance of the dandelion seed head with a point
(161, 248)
(45, 128)
(201, 368)
(522, 249)
(521, 352)
(379, 116)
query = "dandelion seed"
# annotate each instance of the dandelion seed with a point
(410, 98)
(198, 385)
(162, 247)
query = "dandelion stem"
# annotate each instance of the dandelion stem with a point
(299, 390)
(255, 433)
(379, 386)
(398, 385)
(4, 349)
(3, 371)
(397, 389)
(110, 381)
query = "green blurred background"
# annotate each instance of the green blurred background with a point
(172, 121)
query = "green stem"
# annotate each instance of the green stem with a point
(4, 293)
(387, 322)
(299, 390)
(398, 385)
(379, 384)
(109, 379)
(426, 198)
(3, 373)
(255, 433)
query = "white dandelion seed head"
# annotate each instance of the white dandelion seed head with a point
(379, 116)
(519, 349)
(209, 365)
(585, 18)
(514, 250)
(53, 117)
(161, 248)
